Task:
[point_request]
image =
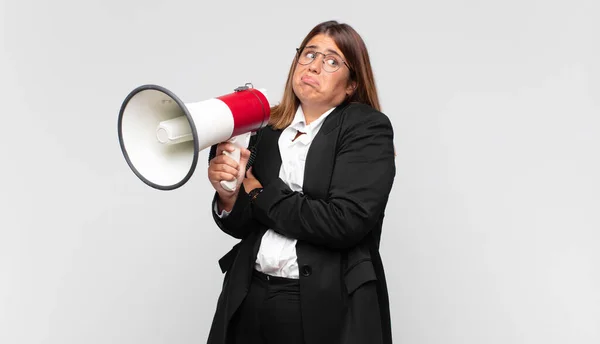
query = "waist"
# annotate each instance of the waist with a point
(276, 256)
(274, 280)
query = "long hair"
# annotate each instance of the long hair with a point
(355, 51)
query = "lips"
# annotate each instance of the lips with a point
(310, 80)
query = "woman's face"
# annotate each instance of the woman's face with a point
(316, 87)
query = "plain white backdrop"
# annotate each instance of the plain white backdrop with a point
(492, 232)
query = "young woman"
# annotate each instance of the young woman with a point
(309, 211)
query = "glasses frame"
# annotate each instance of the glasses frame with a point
(299, 51)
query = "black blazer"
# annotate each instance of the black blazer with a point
(337, 220)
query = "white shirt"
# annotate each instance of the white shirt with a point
(277, 253)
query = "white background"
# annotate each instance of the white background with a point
(492, 232)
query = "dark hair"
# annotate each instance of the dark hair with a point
(355, 51)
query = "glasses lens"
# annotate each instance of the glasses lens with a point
(306, 56)
(330, 62)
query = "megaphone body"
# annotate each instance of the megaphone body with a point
(161, 136)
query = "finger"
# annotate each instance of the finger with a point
(245, 153)
(225, 146)
(244, 156)
(215, 168)
(224, 160)
(219, 176)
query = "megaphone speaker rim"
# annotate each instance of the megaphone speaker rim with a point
(192, 125)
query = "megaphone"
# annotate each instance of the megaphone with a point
(161, 136)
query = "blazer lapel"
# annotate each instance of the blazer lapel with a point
(268, 158)
(320, 158)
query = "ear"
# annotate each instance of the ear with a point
(351, 88)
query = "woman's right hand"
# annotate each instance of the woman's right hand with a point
(222, 167)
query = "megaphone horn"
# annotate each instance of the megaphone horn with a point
(160, 136)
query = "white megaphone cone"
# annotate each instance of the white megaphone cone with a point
(161, 136)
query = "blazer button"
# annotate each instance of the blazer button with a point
(306, 270)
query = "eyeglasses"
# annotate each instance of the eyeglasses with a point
(331, 62)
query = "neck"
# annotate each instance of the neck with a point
(311, 113)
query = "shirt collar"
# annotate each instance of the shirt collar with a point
(299, 121)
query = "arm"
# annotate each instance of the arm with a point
(238, 222)
(235, 218)
(361, 182)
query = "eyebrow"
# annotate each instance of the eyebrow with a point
(329, 51)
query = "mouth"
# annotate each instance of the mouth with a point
(309, 80)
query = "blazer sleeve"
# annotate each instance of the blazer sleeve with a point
(239, 222)
(360, 185)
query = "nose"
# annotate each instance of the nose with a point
(316, 64)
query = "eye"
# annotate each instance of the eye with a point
(332, 61)
(309, 54)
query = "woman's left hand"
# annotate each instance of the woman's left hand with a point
(250, 182)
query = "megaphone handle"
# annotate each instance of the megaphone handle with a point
(240, 141)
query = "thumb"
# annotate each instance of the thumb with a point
(244, 156)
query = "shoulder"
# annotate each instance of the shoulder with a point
(359, 114)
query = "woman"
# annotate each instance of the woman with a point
(309, 211)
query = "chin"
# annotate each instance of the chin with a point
(305, 92)
(305, 96)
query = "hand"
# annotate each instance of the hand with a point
(222, 167)
(250, 182)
